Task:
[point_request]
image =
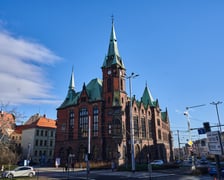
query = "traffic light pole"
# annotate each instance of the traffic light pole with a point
(186, 113)
(217, 158)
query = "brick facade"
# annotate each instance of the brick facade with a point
(107, 105)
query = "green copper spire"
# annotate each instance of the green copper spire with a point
(72, 81)
(113, 49)
(113, 56)
(147, 98)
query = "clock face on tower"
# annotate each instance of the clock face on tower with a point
(109, 72)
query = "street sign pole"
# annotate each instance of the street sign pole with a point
(215, 147)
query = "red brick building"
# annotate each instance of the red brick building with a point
(107, 105)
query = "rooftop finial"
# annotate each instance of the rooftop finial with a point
(112, 17)
(72, 80)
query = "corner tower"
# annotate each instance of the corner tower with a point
(113, 74)
(115, 99)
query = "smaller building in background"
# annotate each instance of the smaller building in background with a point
(38, 140)
(7, 125)
(16, 135)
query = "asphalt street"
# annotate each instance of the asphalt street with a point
(80, 174)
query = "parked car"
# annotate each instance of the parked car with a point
(157, 162)
(19, 172)
(212, 169)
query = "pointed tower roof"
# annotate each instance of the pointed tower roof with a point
(72, 96)
(147, 98)
(72, 81)
(113, 56)
(165, 116)
(113, 48)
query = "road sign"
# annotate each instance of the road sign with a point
(214, 142)
(201, 131)
(213, 136)
(214, 148)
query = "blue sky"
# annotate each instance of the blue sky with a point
(177, 48)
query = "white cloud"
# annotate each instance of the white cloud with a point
(22, 77)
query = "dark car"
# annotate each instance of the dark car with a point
(213, 171)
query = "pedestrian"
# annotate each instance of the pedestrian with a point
(66, 167)
(2, 169)
(112, 165)
(73, 166)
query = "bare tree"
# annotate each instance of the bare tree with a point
(10, 152)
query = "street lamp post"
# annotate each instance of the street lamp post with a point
(186, 113)
(88, 154)
(133, 75)
(217, 111)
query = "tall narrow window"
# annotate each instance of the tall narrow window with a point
(71, 119)
(136, 128)
(122, 86)
(143, 128)
(109, 85)
(95, 121)
(150, 129)
(116, 127)
(158, 122)
(159, 134)
(71, 124)
(83, 122)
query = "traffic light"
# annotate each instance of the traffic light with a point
(207, 126)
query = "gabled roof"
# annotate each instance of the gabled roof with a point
(19, 129)
(45, 122)
(94, 91)
(147, 98)
(42, 122)
(164, 116)
(71, 99)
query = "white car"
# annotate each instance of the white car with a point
(157, 162)
(19, 172)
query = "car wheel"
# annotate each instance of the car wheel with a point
(30, 174)
(10, 176)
